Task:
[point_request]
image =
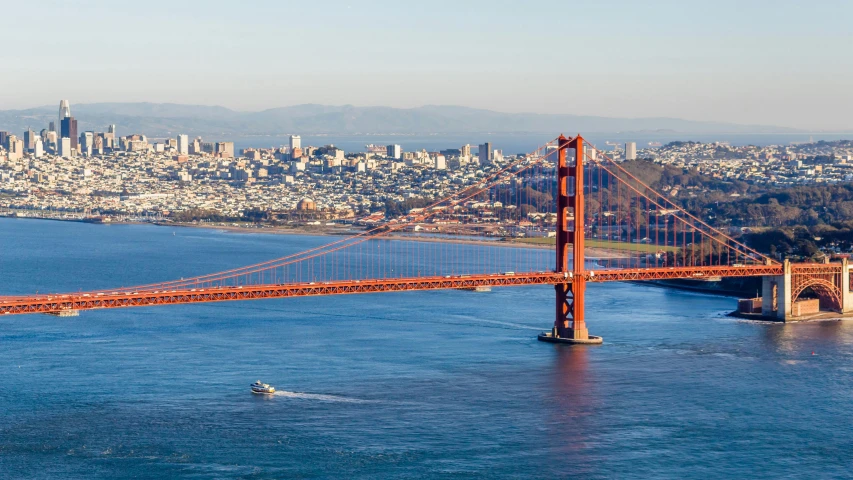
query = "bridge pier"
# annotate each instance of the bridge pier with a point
(776, 295)
(846, 294)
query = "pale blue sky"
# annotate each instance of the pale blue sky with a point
(773, 62)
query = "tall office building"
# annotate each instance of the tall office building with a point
(29, 139)
(4, 139)
(15, 149)
(394, 151)
(38, 149)
(183, 144)
(295, 142)
(630, 151)
(69, 130)
(465, 151)
(112, 129)
(87, 143)
(51, 127)
(65, 147)
(64, 110)
(486, 153)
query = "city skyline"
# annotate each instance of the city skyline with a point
(723, 67)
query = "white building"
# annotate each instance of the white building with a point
(183, 144)
(65, 147)
(295, 142)
(630, 151)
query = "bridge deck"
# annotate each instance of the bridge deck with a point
(48, 303)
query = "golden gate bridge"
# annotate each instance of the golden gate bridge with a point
(566, 194)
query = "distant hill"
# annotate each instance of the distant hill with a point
(161, 119)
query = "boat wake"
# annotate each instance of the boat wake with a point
(318, 396)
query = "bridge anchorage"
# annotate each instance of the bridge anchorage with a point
(605, 223)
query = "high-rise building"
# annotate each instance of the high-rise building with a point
(51, 127)
(87, 143)
(69, 130)
(4, 140)
(486, 154)
(224, 149)
(65, 147)
(394, 151)
(64, 111)
(112, 129)
(38, 149)
(295, 142)
(183, 144)
(465, 151)
(630, 151)
(15, 150)
(29, 139)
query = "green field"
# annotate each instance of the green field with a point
(608, 244)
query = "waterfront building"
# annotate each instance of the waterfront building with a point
(394, 151)
(295, 142)
(631, 151)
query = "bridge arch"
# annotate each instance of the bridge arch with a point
(827, 291)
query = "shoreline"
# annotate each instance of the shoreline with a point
(593, 253)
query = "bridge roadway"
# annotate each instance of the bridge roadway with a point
(55, 303)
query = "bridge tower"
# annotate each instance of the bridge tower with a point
(569, 325)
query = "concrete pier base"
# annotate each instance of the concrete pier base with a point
(549, 337)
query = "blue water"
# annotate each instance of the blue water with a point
(528, 142)
(443, 384)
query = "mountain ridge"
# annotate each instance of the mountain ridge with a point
(159, 119)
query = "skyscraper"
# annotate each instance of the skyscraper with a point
(295, 142)
(394, 151)
(183, 144)
(64, 110)
(29, 139)
(69, 130)
(630, 151)
(4, 138)
(486, 154)
(465, 150)
(51, 127)
(65, 147)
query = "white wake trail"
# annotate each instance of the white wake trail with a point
(318, 396)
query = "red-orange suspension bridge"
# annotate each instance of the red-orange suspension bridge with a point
(634, 233)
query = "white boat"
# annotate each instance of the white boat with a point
(262, 388)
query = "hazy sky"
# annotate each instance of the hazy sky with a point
(775, 62)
